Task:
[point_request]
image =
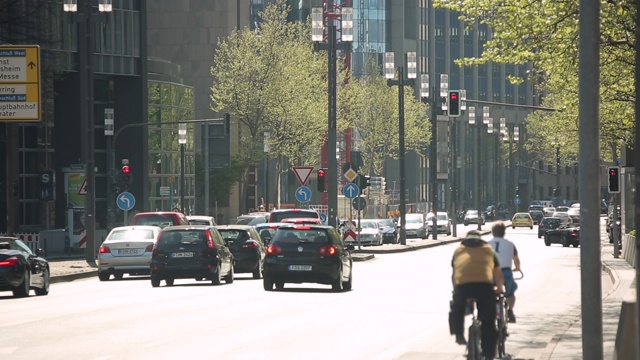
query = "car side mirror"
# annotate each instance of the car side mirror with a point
(39, 252)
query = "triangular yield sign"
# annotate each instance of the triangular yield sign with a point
(83, 188)
(303, 173)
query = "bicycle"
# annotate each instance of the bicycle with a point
(502, 319)
(474, 351)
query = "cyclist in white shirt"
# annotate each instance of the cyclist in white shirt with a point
(507, 255)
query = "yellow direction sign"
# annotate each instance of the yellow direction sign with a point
(350, 174)
(19, 83)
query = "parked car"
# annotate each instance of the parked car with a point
(160, 218)
(443, 223)
(370, 233)
(547, 223)
(247, 247)
(280, 214)
(308, 254)
(191, 252)
(389, 231)
(537, 216)
(416, 225)
(565, 235)
(522, 219)
(201, 220)
(126, 250)
(471, 217)
(21, 270)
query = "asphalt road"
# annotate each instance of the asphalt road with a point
(396, 310)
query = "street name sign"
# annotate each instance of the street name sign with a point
(303, 173)
(20, 83)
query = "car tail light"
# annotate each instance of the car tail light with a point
(329, 250)
(574, 233)
(250, 245)
(104, 250)
(210, 240)
(541, 225)
(12, 261)
(274, 249)
(149, 248)
(302, 227)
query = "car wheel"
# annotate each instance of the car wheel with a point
(25, 286)
(215, 277)
(279, 285)
(44, 290)
(574, 244)
(466, 224)
(103, 276)
(564, 241)
(349, 283)
(118, 276)
(155, 281)
(267, 284)
(531, 227)
(169, 281)
(257, 272)
(229, 277)
(539, 236)
(337, 285)
(546, 241)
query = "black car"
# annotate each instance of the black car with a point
(565, 235)
(471, 217)
(308, 254)
(247, 247)
(389, 231)
(191, 251)
(548, 223)
(21, 270)
(537, 216)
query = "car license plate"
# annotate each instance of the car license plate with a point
(300, 267)
(127, 251)
(182, 254)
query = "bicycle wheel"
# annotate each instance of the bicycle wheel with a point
(501, 340)
(473, 345)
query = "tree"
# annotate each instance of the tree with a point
(545, 35)
(370, 107)
(270, 80)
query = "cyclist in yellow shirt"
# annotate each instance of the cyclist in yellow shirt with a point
(475, 266)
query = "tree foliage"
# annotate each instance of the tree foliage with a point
(370, 107)
(545, 34)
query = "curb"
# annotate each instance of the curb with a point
(71, 277)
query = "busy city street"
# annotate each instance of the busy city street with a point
(397, 309)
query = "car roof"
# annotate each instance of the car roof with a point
(137, 227)
(521, 213)
(158, 213)
(199, 217)
(187, 227)
(234, 226)
(299, 226)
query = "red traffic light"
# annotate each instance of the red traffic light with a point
(613, 172)
(126, 169)
(320, 173)
(454, 96)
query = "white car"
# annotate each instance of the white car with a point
(127, 250)
(443, 222)
(370, 233)
(202, 220)
(416, 225)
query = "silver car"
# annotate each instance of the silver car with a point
(127, 250)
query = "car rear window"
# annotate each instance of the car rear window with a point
(278, 216)
(155, 220)
(199, 222)
(188, 239)
(295, 236)
(250, 220)
(131, 235)
(522, 216)
(238, 236)
(551, 221)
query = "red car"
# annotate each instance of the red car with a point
(301, 221)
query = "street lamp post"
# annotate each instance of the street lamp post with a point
(85, 71)
(267, 148)
(182, 140)
(425, 96)
(389, 73)
(317, 35)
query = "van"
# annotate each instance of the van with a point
(160, 218)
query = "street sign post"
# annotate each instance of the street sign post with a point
(20, 83)
(303, 173)
(303, 194)
(351, 190)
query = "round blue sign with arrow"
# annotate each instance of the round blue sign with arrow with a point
(303, 194)
(125, 201)
(323, 218)
(517, 201)
(351, 191)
